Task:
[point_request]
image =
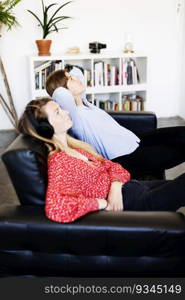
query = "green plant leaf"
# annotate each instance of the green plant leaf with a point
(46, 12)
(48, 7)
(46, 23)
(6, 16)
(58, 29)
(58, 10)
(10, 3)
(43, 7)
(62, 18)
(56, 20)
(36, 18)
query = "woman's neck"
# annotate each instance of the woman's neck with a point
(62, 139)
(78, 100)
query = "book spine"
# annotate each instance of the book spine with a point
(37, 80)
(124, 75)
(43, 78)
(129, 72)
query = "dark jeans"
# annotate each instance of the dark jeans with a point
(159, 150)
(155, 195)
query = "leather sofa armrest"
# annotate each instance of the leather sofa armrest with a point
(138, 122)
(26, 163)
(106, 220)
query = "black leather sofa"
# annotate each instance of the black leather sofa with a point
(101, 244)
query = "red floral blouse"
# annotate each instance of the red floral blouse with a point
(74, 185)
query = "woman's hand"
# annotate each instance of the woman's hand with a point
(102, 203)
(115, 198)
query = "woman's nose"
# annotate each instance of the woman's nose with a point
(65, 112)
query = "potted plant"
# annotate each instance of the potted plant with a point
(48, 24)
(6, 16)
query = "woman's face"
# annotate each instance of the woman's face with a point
(74, 85)
(57, 117)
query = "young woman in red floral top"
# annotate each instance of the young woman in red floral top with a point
(82, 181)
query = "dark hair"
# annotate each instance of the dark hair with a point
(54, 80)
(35, 119)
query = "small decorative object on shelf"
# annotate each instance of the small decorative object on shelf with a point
(73, 50)
(128, 48)
(96, 47)
(48, 24)
(113, 82)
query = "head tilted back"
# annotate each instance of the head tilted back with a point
(34, 118)
(41, 126)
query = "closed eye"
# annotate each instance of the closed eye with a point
(57, 111)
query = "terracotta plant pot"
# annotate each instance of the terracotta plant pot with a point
(44, 47)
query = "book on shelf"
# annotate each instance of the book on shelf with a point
(132, 103)
(87, 78)
(105, 74)
(129, 72)
(45, 68)
(98, 73)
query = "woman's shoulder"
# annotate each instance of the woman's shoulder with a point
(82, 151)
(55, 156)
(87, 154)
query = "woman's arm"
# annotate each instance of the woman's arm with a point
(118, 176)
(115, 198)
(116, 171)
(63, 207)
(66, 100)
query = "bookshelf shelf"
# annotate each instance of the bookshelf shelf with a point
(107, 76)
(116, 89)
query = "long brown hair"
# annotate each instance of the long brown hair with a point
(54, 80)
(34, 113)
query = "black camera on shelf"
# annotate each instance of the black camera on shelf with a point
(96, 47)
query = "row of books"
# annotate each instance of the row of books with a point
(130, 104)
(127, 104)
(104, 74)
(43, 70)
(108, 75)
(129, 73)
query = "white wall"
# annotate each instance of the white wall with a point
(154, 24)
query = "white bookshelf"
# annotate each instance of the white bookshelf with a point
(114, 93)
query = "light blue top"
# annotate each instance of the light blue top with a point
(94, 126)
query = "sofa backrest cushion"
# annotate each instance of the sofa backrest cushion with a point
(26, 163)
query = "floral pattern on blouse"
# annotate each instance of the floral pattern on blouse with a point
(74, 185)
